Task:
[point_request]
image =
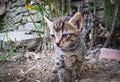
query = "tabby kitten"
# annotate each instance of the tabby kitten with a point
(69, 48)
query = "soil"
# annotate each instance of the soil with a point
(37, 67)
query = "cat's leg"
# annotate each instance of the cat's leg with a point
(76, 64)
(63, 73)
(77, 71)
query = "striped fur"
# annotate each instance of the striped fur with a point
(69, 49)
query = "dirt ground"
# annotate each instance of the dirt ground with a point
(37, 67)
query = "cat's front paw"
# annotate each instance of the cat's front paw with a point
(64, 75)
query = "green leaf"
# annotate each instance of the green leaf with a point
(36, 8)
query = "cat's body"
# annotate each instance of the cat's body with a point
(69, 48)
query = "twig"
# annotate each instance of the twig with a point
(112, 28)
(69, 7)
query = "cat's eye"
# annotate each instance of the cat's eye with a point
(52, 35)
(64, 35)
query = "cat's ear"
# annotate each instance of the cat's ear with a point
(49, 21)
(76, 21)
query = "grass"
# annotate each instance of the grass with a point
(8, 53)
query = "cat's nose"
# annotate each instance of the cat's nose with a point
(57, 44)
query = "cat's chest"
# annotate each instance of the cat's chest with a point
(70, 58)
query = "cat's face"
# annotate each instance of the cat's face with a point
(64, 31)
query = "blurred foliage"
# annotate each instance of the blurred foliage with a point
(107, 13)
(10, 52)
(45, 7)
(55, 8)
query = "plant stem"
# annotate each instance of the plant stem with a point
(112, 27)
(6, 27)
(34, 24)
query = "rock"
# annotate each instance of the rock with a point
(18, 18)
(29, 26)
(20, 10)
(25, 14)
(106, 53)
(24, 18)
(35, 18)
(32, 12)
(20, 27)
(21, 2)
(10, 24)
(16, 25)
(12, 14)
(13, 9)
(9, 4)
(24, 22)
(17, 37)
(13, 5)
(8, 8)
